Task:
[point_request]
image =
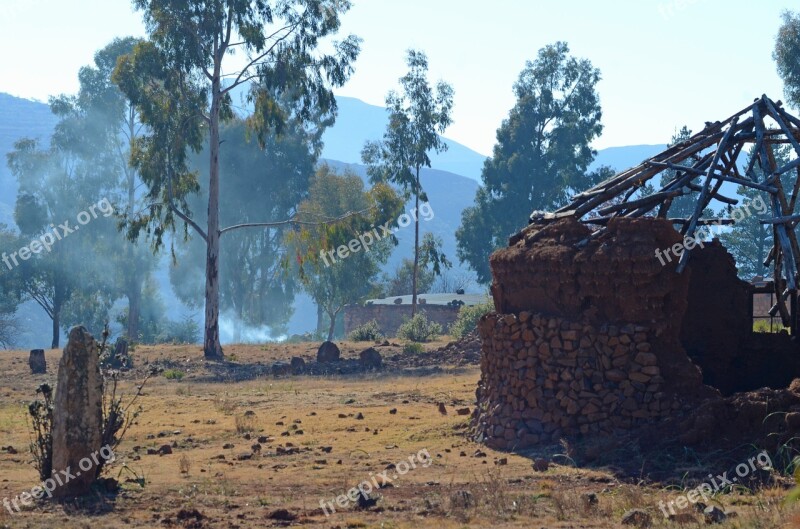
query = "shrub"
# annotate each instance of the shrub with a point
(174, 374)
(468, 317)
(369, 332)
(413, 348)
(117, 417)
(419, 329)
(186, 331)
(245, 424)
(41, 424)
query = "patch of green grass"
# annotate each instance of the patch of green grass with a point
(174, 374)
(413, 348)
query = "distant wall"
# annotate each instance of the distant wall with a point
(390, 317)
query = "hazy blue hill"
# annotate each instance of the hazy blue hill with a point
(621, 158)
(359, 122)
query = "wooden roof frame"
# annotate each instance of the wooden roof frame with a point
(701, 164)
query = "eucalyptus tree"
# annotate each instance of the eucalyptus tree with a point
(542, 153)
(181, 81)
(417, 116)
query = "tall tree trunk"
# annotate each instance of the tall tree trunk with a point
(416, 249)
(212, 349)
(134, 305)
(56, 328)
(320, 316)
(332, 327)
(135, 281)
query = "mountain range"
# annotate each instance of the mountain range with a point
(451, 183)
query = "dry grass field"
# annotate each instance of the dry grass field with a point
(258, 451)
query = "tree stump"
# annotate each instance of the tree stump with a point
(37, 362)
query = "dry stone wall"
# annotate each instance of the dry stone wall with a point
(548, 377)
(586, 339)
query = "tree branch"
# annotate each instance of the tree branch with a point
(294, 221)
(269, 50)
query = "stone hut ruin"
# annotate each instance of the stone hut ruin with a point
(611, 315)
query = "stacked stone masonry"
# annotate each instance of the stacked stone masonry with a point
(544, 378)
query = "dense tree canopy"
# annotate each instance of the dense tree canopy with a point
(542, 153)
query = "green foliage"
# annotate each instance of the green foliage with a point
(40, 416)
(787, 56)
(369, 332)
(748, 240)
(351, 211)
(764, 326)
(181, 81)
(185, 331)
(262, 183)
(9, 291)
(468, 317)
(416, 118)
(174, 374)
(152, 315)
(542, 153)
(399, 282)
(413, 348)
(419, 329)
(70, 281)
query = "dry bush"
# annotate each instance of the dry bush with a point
(246, 424)
(184, 464)
(225, 405)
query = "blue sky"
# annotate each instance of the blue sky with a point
(664, 63)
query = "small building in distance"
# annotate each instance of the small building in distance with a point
(390, 313)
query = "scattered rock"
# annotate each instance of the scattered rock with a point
(165, 450)
(37, 362)
(281, 369)
(442, 408)
(541, 465)
(298, 365)
(328, 353)
(714, 515)
(365, 501)
(462, 499)
(371, 359)
(282, 515)
(683, 518)
(637, 518)
(463, 411)
(590, 498)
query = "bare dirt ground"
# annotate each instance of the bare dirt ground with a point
(249, 450)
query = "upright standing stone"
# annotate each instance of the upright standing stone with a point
(78, 413)
(37, 362)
